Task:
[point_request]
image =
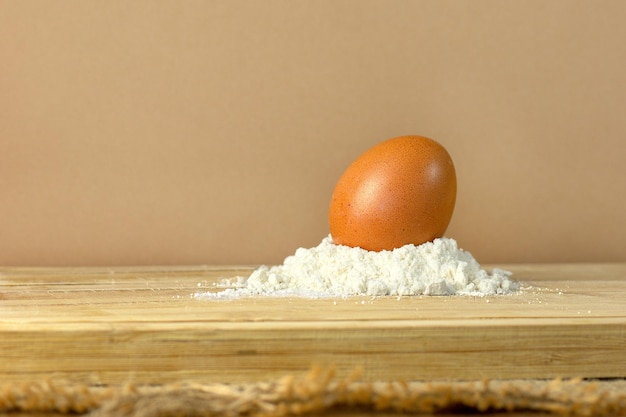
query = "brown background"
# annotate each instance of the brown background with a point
(193, 132)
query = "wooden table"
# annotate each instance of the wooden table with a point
(114, 325)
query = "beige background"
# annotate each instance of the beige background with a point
(213, 132)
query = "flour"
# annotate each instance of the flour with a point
(439, 267)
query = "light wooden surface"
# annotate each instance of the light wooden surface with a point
(145, 325)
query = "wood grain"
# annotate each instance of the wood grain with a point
(112, 325)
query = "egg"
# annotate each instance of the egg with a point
(401, 191)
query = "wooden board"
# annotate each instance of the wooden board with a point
(113, 325)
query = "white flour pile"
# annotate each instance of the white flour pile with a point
(329, 270)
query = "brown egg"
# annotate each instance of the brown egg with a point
(400, 191)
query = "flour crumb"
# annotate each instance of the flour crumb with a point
(437, 268)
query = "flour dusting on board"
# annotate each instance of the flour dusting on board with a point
(439, 267)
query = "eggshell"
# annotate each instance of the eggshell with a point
(401, 191)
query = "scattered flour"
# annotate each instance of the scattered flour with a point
(328, 270)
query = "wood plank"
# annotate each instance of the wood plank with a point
(145, 325)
